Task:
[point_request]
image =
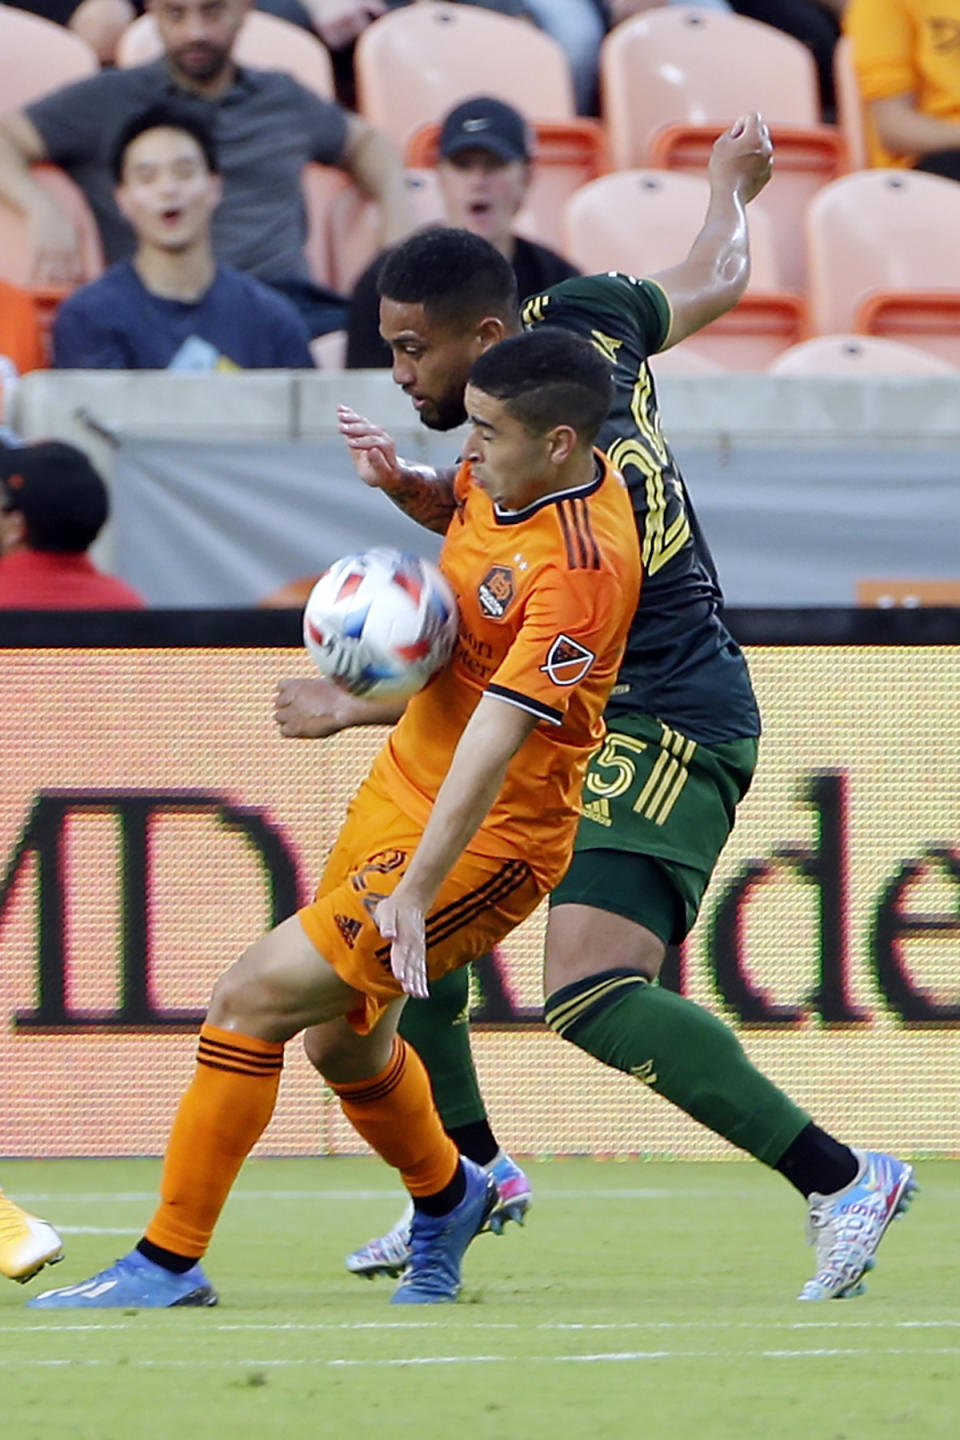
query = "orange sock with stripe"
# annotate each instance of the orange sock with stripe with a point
(395, 1114)
(221, 1118)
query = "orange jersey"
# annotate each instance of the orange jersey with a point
(546, 596)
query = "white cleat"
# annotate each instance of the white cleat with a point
(389, 1254)
(847, 1227)
(26, 1243)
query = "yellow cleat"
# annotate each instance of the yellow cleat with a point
(26, 1243)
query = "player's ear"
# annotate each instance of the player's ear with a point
(562, 440)
(490, 332)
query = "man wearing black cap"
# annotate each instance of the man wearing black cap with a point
(484, 166)
(53, 505)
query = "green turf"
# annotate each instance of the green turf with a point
(648, 1300)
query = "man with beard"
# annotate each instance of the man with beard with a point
(266, 127)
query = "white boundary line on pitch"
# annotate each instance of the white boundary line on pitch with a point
(293, 1326)
(615, 1356)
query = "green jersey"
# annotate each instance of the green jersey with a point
(681, 663)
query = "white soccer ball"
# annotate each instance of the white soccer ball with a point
(380, 623)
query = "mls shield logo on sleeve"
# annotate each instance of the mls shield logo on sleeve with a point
(567, 661)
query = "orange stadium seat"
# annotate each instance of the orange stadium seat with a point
(642, 221)
(883, 258)
(858, 355)
(292, 595)
(673, 78)
(853, 125)
(568, 154)
(415, 63)
(265, 42)
(910, 593)
(37, 56)
(343, 224)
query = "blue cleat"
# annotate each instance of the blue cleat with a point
(133, 1283)
(438, 1243)
(847, 1227)
(389, 1254)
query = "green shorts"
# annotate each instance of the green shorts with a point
(657, 811)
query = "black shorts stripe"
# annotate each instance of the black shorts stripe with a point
(438, 933)
(460, 912)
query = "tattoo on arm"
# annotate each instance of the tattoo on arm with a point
(426, 495)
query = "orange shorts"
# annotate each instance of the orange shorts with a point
(482, 899)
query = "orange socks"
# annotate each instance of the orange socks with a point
(395, 1114)
(221, 1118)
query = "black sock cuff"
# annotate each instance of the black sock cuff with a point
(572, 1005)
(179, 1264)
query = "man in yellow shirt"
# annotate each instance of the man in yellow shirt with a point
(907, 57)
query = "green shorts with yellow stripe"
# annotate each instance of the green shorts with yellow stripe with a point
(657, 811)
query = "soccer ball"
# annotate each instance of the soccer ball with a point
(380, 623)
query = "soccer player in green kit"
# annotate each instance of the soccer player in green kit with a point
(683, 724)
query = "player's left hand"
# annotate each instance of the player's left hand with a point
(742, 157)
(402, 921)
(308, 709)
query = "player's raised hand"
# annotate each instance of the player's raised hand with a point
(372, 449)
(308, 708)
(403, 923)
(742, 157)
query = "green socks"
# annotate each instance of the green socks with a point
(439, 1030)
(681, 1051)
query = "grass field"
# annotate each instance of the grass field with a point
(643, 1299)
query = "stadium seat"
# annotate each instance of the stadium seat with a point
(858, 355)
(910, 593)
(568, 154)
(642, 221)
(682, 359)
(343, 224)
(265, 42)
(37, 56)
(16, 254)
(673, 78)
(417, 62)
(883, 258)
(293, 595)
(853, 124)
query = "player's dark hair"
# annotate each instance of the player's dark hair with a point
(455, 275)
(548, 377)
(165, 115)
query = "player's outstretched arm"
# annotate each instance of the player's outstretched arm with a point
(426, 495)
(491, 738)
(714, 275)
(310, 708)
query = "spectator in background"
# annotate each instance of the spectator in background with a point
(173, 307)
(906, 54)
(53, 505)
(484, 166)
(21, 343)
(267, 127)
